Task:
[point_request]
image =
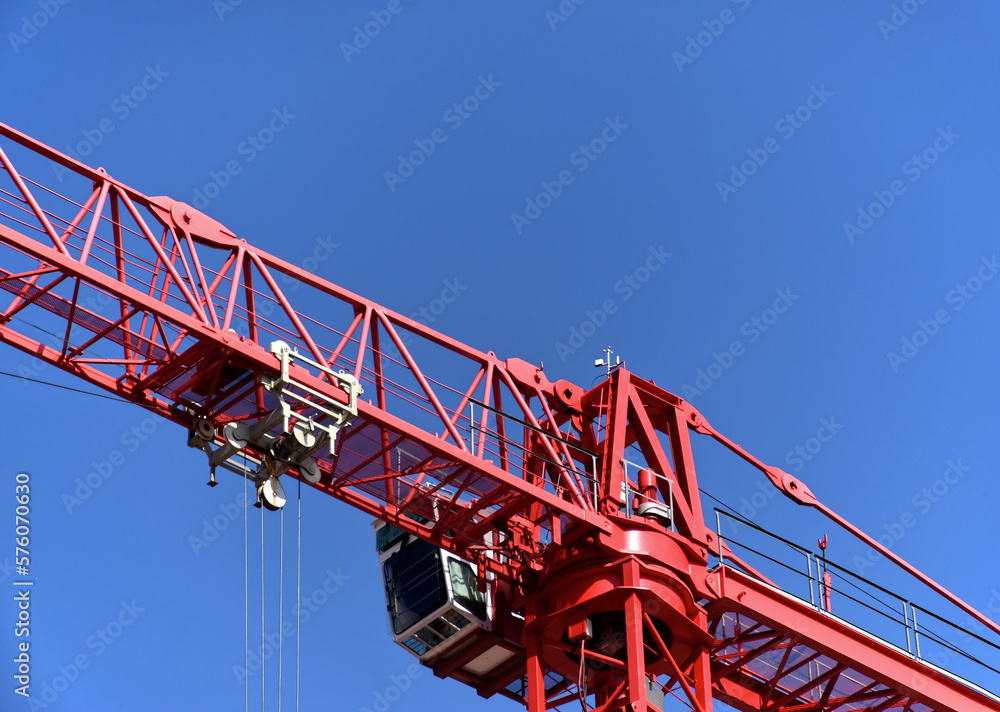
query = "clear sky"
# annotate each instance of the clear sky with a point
(785, 213)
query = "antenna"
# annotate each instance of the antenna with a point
(607, 361)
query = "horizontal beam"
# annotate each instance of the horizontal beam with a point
(842, 643)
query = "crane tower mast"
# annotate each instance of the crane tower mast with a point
(580, 509)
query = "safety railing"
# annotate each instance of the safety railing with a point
(964, 652)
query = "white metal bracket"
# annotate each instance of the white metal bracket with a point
(309, 420)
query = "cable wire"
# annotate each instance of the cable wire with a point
(65, 388)
(298, 599)
(719, 501)
(281, 595)
(262, 641)
(246, 598)
(59, 339)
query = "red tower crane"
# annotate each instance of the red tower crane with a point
(580, 509)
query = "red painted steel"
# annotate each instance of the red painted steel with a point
(775, 652)
(149, 299)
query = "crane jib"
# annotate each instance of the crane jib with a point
(562, 528)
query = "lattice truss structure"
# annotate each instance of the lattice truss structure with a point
(154, 301)
(530, 479)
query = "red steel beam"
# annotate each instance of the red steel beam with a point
(171, 305)
(181, 285)
(826, 635)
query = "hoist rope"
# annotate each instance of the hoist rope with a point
(262, 641)
(298, 598)
(65, 388)
(281, 596)
(246, 599)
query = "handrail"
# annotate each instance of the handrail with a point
(908, 621)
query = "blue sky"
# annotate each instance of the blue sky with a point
(786, 215)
